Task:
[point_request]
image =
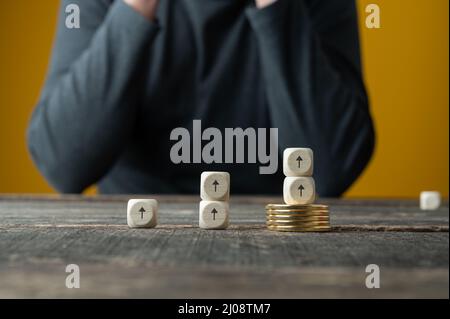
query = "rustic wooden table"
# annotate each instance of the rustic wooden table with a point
(39, 236)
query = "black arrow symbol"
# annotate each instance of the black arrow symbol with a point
(301, 188)
(299, 159)
(142, 211)
(215, 185)
(214, 212)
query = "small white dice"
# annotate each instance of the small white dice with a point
(213, 214)
(215, 186)
(430, 200)
(299, 190)
(142, 213)
(298, 162)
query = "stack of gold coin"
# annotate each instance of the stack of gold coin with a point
(298, 218)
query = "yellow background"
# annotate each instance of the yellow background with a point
(406, 71)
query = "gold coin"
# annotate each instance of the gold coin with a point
(296, 210)
(296, 215)
(299, 220)
(293, 227)
(301, 230)
(300, 207)
(298, 224)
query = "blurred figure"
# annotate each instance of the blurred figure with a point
(137, 69)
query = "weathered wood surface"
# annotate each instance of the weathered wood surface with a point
(39, 236)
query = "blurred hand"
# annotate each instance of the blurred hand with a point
(264, 3)
(145, 7)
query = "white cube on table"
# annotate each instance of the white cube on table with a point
(213, 214)
(142, 213)
(298, 162)
(215, 186)
(430, 200)
(299, 190)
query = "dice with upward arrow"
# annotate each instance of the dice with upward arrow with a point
(299, 190)
(213, 214)
(142, 213)
(298, 162)
(215, 193)
(215, 186)
(298, 187)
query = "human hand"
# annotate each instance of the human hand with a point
(264, 3)
(145, 7)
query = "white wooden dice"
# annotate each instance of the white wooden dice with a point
(213, 214)
(299, 190)
(298, 162)
(299, 187)
(215, 193)
(142, 213)
(215, 186)
(430, 200)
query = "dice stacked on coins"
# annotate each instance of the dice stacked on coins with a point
(298, 187)
(299, 193)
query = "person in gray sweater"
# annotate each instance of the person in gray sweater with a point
(136, 69)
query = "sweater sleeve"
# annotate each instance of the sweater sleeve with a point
(316, 96)
(87, 107)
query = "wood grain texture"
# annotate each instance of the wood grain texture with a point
(39, 236)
